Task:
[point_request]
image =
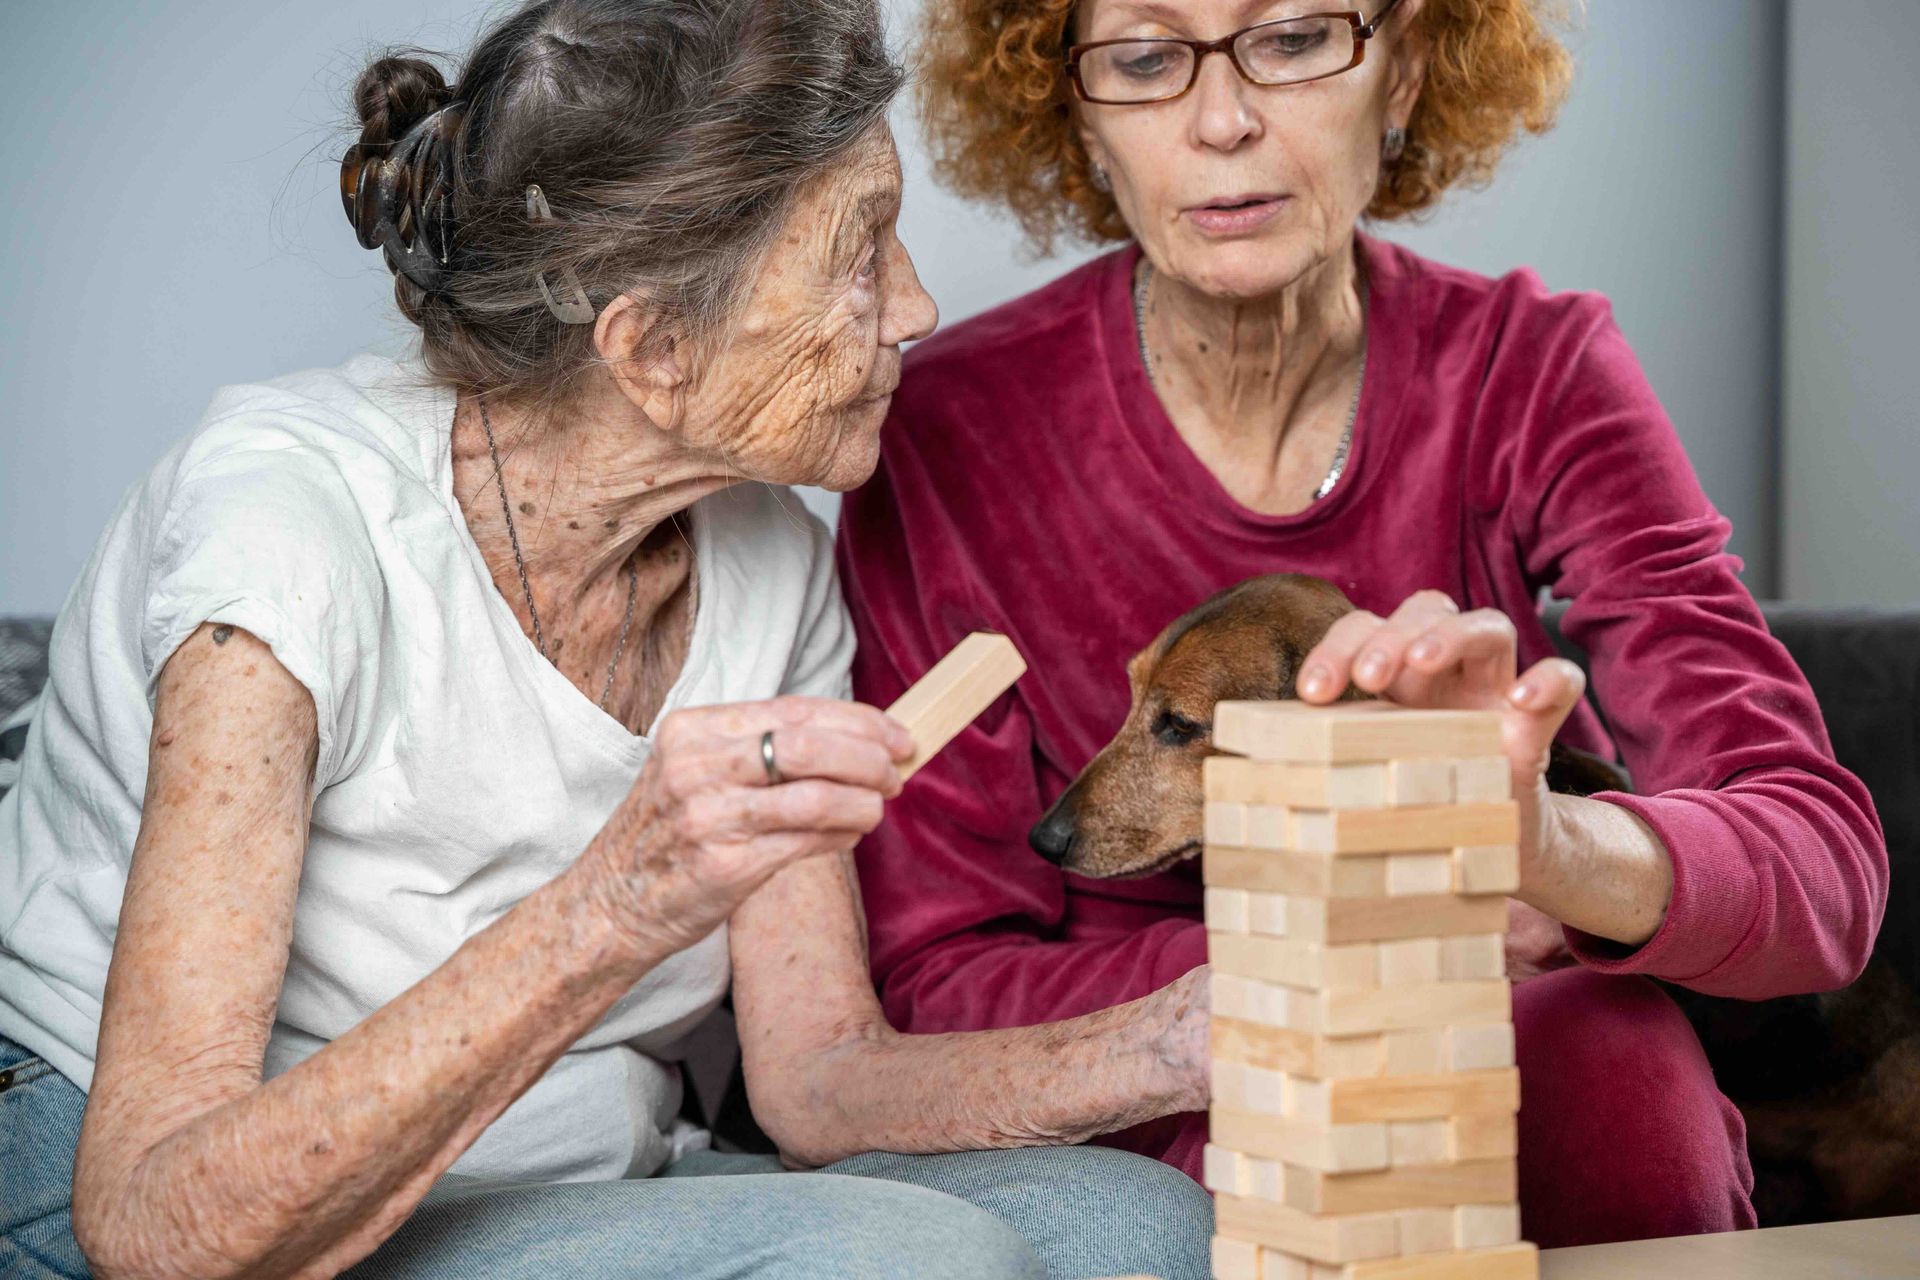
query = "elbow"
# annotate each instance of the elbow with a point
(114, 1227)
(809, 1105)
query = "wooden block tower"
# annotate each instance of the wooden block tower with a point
(1357, 863)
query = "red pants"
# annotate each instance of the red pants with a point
(1623, 1135)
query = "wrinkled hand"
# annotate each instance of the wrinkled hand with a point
(1186, 1008)
(704, 826)
(1429, 654)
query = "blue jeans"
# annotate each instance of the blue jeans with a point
(1036, 1212)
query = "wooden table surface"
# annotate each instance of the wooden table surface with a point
(1870, 1249)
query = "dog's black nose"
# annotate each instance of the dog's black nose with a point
(1052, 836)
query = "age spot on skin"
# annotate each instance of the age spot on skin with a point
(526, 508)
(222, 633)
(573, 524)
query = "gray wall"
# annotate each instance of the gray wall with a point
(172, 224)
(1851, 527)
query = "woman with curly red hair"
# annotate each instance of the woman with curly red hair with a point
(1251, 383)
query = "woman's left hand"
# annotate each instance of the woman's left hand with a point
(1429, 654)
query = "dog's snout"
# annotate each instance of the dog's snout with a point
(1052, 836)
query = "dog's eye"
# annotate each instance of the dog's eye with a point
(1175, 730)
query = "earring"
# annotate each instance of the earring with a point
(1394, 144)
(1100, 180)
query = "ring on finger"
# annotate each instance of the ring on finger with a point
(768, 761)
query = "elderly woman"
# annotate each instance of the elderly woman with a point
(1252, 384)
(427, 742)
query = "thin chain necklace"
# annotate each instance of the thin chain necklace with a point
(520, 563)
(1140, 290)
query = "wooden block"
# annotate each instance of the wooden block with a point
(1486, 868)
(1351, 831)
(1348, 920)
(1235, 1259)
(1509, 1262)
(1296, 1052)
(1416, 1053)
(1468, 958)
(1419, 1142)
(1314, 875)
(1241, 1086)
(1486, 1226)
(1224, 824)
(1409, 961)
(1269, 827)
(1411, 873)
(1295, 786)
(1351, 731)
(1291, 962)
(1330, 1147)
(1222, 1169)
(1334, 1238)
(1479, 1048)
(1227, 910)
(1419, 781)
(1436, 1004)
(1488, 1136)
(1357, 1100)
(1401, 1187)
(1267, 912)
(1426, 1231)
(959, 687)
(1482, 780)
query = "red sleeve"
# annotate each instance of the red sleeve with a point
(964, 919)
(1779, 862)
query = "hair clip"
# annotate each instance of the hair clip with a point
(571, 306)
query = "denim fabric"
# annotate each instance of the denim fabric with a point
(1060, 1213)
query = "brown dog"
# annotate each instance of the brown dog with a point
(1138, 807)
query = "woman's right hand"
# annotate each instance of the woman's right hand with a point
(704, 825)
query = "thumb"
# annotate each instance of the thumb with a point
(1538, 704)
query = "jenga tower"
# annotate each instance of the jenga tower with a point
(1357, 863)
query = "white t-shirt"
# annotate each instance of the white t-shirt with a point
(458, 770)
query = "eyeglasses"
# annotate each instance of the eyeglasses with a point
(1161, 68)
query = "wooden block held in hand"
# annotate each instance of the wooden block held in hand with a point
(1348, 732)
(960, 686)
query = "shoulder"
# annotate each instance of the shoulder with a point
(1460, 314)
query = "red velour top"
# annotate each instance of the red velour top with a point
(1031, 483)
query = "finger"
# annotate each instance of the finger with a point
(810, 804)
(1383, 656)
(1547, 694)
(751, 719)
(1454, 642)
(802, 752)
(1325, 673)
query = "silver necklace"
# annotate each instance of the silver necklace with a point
(1353, 410)
(520, 563)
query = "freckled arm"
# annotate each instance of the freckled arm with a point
(828, 1077)
(188, 1164)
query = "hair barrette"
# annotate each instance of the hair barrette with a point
(570, 305)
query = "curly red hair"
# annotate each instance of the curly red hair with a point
(995, 102)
